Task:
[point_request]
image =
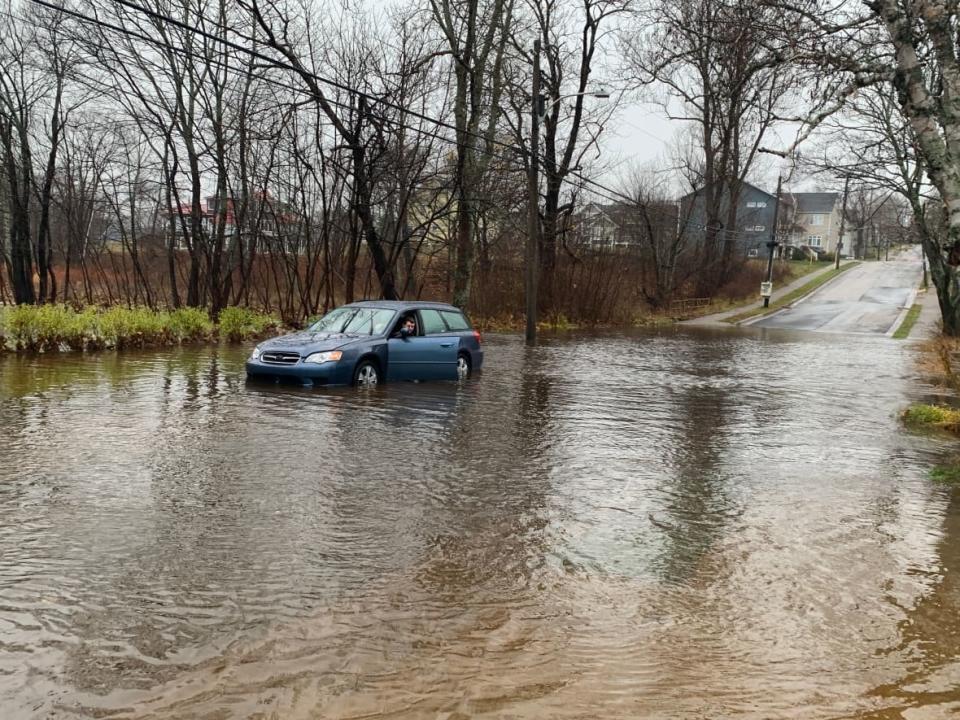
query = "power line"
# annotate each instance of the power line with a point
(333, 83)
(599, 189)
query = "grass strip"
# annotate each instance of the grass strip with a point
(903, 332)
(793, 296)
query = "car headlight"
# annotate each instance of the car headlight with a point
(323, 357)
(255, 355)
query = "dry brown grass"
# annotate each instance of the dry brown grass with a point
(939, 361)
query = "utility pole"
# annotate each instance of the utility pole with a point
(533, 192)
(843, 219)
(767, 288)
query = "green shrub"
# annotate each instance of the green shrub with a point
(921, 414)
(32, 328)
(190, 324)
(238, 324)
(42, 328)
(120, 327)
(933, 416)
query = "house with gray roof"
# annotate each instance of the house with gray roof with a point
(816, 220)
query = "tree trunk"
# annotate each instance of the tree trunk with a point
(463, 268)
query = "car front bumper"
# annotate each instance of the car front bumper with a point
(331, 373)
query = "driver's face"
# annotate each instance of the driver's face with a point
(410, 325)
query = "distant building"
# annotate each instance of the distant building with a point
(816, 221)
(623, 225)
(754, 224)
(276, 224)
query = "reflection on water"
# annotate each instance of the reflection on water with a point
(666, 524)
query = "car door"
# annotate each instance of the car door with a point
(426, 356)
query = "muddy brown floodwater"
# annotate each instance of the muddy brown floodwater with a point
(673, 524)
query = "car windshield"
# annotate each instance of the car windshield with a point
(354, 321)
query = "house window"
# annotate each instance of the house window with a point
(814, 240)
(815, 220)
(756, 204)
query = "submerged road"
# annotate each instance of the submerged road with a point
(866, 299)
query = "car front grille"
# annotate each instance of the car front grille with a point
(273, 357)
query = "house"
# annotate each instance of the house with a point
(816, 221)
(623, 225)
(755, 213)
(276, 225)
(596, 226)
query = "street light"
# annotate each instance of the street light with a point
(538, 110)
(543, 106)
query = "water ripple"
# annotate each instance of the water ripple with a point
(662, 524)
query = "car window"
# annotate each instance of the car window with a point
(369, 322)
(432, 322)
(333, 321)
(455, 320)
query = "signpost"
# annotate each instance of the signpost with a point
(766, 288)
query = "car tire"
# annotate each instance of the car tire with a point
(366, 374)
(464, 366)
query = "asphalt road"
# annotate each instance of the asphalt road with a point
(866, 299)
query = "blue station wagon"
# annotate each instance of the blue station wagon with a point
(366, 343)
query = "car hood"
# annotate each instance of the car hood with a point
(309, 342)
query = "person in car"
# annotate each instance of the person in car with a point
(408, 327)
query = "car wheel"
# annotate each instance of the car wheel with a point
(366, 374)
(463, 366)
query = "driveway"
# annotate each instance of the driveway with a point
(866, 299)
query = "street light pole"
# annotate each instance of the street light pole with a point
(533, 192)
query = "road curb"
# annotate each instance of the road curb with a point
(911, 299)
(765, 316)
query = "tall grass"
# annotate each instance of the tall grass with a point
(53, 328)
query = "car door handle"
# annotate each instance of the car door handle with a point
(449, 344)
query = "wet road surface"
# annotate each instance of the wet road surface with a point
(866, 299)
(668, 524)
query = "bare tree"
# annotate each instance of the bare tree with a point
(571, 35)
(475, 34)
(659, 231)
(21, 89)
(717, 64)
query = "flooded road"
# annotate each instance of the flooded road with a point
(670, 524)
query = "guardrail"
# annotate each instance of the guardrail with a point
(679, 308)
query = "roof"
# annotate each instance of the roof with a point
(784, 198)
(402, 304)
(816, 202)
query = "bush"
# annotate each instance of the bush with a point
(237, 324)
(31, 328)
(936, 415)
(120, 327)
(190, 324)
(43, 328)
